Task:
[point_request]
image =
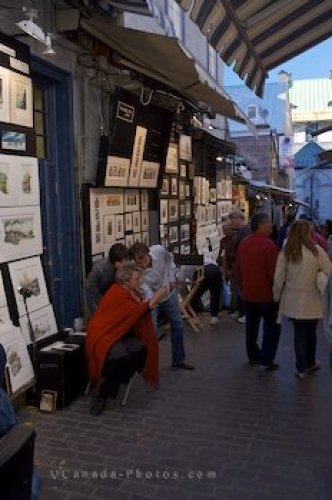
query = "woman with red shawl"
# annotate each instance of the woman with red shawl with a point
(120, 338)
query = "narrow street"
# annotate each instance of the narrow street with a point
(224, 431)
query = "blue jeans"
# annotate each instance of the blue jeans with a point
(170, 308)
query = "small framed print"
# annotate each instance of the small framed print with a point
(109, 228)
(173, 234)
(184, 232)
(137, 238)
(131, 200)
(145, 238)
(165, 187)
(149, 174)
(48, 401)
(213, 195)
(129, 240)
(185, 248)
(129, 222)
(163, 211)
(21, 112)
(187, 190)
(182, 192)
(117, 171)
(119, 229)
(176, 249)
(144, 200)
(145, 221)
(174, 186)
(14, 141)
(136, 222)
(188, 209)
(4, 95)
(182, 210)
(185, 150)
(183, 170)
(173, 210)
(172, 159)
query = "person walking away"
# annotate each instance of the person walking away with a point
(225, 264)
(282, 235)
(158, 271)
(241, 230)
(255, 265)
(298, 272)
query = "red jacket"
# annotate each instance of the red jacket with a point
(255, 263)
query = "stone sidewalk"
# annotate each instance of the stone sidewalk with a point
(224, 431)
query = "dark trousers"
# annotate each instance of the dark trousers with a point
(305, 343)
(212, 282)
(268, 311)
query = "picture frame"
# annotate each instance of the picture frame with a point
(188, 208)
(183, 170)
(4, 95)
(145, 238)
(185, 248)
(182, 210)
(187, 190)
(172, 160)
(173, 234)
(48, 401)
(137, 156)
(145, 221)
(109, 229)
(13, 141)
(21, 108)
(185, 147)
(43, 324)
(163, 211)
(137, 238)
(174, 187)
(19, 181)
(182, 191)
(117, 171)
(173, 210)
(119, 226)
(213, 195)
(149, 174)
(131, 200)
(184, 232)
(129, 240)
(29, 274)
(144, 200)
(20, 233)
(129, 221)
(164, 191)
(136, 222)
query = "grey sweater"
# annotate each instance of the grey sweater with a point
(101, 277)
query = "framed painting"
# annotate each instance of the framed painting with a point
(173, 234)
(173, 210)
(117, 171)
(4, 95)
(19, 181)
(21, 111)
(182, 210)
(187, 190)
(182, 190)
(119, 227)
(145, 221)
(145, 238)
(131, 200)
(185, 248)
(184, 232)
(129, 240)
(111, 201)
(163, 211)
(188, 209)
(165, 187)
(43, 324)
(13, 141)
(149, 174)
(20, 233)
(20, 370)
(229, 189)
(213, 195)
(185, 149)
(137, 157)
(109, 229)
(48, 401)
(136, 222)
(28, 273)
(174, 187)
(183, 170)
(129, 222)
(144, 200)
(172, 164)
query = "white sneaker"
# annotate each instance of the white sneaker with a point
(214, 320)
(242, 319)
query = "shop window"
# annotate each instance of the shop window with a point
(252, 112)
(175, 15)
(212, 61)
(39, 114)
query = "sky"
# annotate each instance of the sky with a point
(314, 63)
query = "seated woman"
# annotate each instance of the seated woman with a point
(120, 338)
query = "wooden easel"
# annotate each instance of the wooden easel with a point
(185, 299)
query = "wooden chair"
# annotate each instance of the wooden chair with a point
(186, 295)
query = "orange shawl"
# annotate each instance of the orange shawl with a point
(116, 314)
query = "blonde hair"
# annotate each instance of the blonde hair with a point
(124, 275)
(299, 235)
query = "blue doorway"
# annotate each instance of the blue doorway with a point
(53, 120)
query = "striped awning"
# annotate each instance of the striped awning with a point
(258, 35)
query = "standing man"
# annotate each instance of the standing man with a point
(102, 274)
(158, 271)
(241, 229)
(255, 264)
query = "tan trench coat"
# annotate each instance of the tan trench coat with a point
(295, 285)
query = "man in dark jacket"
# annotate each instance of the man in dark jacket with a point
(102, 274)
(255, 264)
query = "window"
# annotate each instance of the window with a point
(212, 61)
(175, 14)
(252, 112)
(39, 116)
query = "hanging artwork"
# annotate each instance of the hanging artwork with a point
(19, 181)
(131, 200)
(144, 200)
(188, 208)
(129, 240)
(20, 233)
(173, 234)
(119, 229)
(183, 170)
(173, 210)
(185, 248)
(149, 174)
(137, 157)
(213, 195)
(117, 171)
(174, 187)
(163, 211)
(4, 95)
(187, 190)
(129, 222)
(165, 187)
(21, 111)
(145, 221)
(184, 232)
(182, 210)
(13, 141)
(136, 222)
(182, 192)
(28, 274)
(20, 370)
(172, 166)
(185, 150)
(145, 238)
(43, 324)
(109, 229)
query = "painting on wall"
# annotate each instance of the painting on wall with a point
(172, 165)
(163, 211)
(185, 149)
(109, 229)
(19, 181)
(13, 141)
(131, 200)
(129, 222)
(173, 210)
(43, 324)
(117, 171)
(21, 112)
(149, 174)
(144, 200)
(4, 95)
(165, 187)
(136, 222)
(137, 157)
(145, 221)
(119, 227)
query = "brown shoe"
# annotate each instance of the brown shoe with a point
(184, 366)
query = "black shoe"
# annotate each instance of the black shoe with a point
(253, 363)
(271, 367)
(97, 406)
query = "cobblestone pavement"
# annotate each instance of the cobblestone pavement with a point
(224, 431)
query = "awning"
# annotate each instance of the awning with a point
(165, 60)
(270, 188)
(141, 7)
(259, 35)
(300, 202)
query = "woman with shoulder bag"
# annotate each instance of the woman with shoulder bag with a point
(302, 270)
